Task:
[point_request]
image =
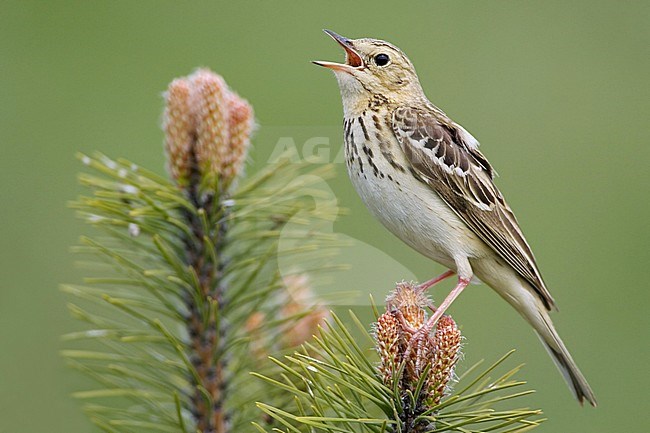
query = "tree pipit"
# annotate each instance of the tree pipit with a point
(422, 175)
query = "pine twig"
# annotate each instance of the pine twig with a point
(408, 390)
(184, 298)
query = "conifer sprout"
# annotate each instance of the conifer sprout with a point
(339, 387)
(207, 126)
(184, 297)
(298, 306)
(178, 126)
(406, 360)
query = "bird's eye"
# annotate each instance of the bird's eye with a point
(382, 59)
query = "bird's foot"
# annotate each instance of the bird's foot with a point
(419, 347)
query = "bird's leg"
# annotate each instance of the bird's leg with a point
(462, 283)
(422, 287)
(425, 330)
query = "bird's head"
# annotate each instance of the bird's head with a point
(373, 69)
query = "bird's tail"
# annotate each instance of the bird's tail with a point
(562, 358)
(530, 306)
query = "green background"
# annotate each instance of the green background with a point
(556, 91)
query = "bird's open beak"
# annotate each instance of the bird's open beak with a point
(353, 60)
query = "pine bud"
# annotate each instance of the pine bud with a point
(410, 303)
(210, 109)
(446, 342)
(178, 127)
(207, 129)
(300, 298)
(240, 126)
(388, 337)
(403, 344)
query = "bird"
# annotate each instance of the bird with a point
(423, 177)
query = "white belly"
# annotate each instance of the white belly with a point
(405, 206)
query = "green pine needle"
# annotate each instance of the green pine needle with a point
(338, 389)
(135, 343)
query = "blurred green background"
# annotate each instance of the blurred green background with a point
(557, 92)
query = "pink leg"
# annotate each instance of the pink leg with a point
(424, 332)
(422, 287)
(462, 283)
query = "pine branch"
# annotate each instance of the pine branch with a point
(337, 388)
(184, 297)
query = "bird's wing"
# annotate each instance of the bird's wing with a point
(446, 157)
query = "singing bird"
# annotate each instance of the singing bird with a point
(423, 177)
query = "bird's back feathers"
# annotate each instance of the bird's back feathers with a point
(457, 171)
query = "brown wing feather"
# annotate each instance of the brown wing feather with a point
(442, 157)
